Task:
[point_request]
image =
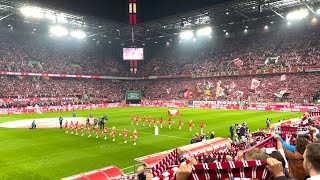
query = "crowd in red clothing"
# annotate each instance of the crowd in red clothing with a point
(294, 47)
(299, 88)
(35, 53)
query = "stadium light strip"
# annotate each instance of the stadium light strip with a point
(186, 35)
(78, 34)
(297, 15)
(34, 12)
(204, 31)
(59, 31)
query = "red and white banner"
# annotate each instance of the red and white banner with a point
(282, 70)
(33, 99)
(237, 62)
(174, 112)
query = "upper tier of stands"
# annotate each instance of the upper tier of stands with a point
(36, 53)
(295, 47)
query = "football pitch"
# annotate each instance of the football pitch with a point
(53, 154)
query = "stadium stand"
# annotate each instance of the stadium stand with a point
(300, 88)
(22, 52)
(294, 47)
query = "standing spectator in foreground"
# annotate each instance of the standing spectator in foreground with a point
(60, 122)
(295, 159)
(311, 162)
(231, 132)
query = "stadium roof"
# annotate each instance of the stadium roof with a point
(221, 16)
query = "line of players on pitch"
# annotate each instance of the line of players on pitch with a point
(144, 120)
(75, 128)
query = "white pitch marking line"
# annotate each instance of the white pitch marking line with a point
(164, 135)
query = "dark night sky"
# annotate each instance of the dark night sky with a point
(117, 10)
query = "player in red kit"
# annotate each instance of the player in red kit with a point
(71, 127)
(161, 122)
(134, 137)
(113, 133)
(190, 125)
(144, 120)
(137, 120)
(169, 123)
(76, 128)
(96, 130)
(66, 126)
(132, 119)
(180, 124)
(125, 134)
(202, 125)
(154, 122)
(89, 130)
(105, 132)
(149, 121)
(82, 129)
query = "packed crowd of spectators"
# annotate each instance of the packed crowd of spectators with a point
(299, 88)
(293, 47)
(82, 90)
(21, 52)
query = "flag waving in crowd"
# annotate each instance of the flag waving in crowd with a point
(238, 62)
(255, 84)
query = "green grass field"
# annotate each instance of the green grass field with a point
(52, 154)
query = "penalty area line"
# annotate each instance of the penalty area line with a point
(164, 135)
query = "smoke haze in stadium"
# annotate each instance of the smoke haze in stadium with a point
(115, 9)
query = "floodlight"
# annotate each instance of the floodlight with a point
(298, 14)
(266, 27)
(61, 18)
(186, 35)
(245, 30)
(29, 11)
(51, 17)
(58, 31)
(318, 11)
(204, 31)
(78, 34)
